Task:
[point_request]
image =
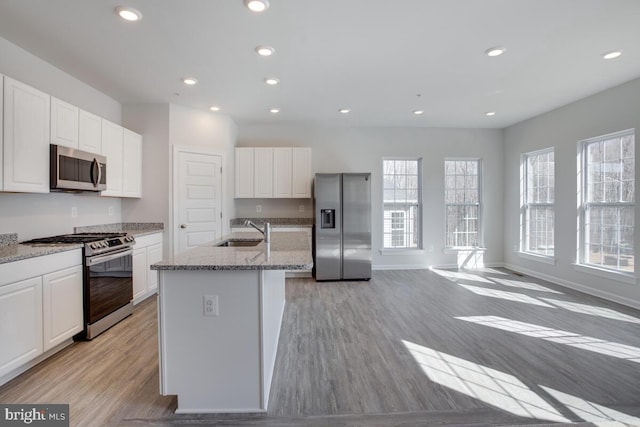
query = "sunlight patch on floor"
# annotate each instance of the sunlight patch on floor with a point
(591, 412)
(593, 310)
(461, 275)
(511, 296)
(596, 345)
(524, 285)
(493, 387)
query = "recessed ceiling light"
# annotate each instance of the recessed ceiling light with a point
(344, 110)
(265, 50)
(495, 51)
(490, 113)
(274, 110)
(214, 108)
(612, 54)
(257, 5)
(272, 81)
(418, 112)
(128, 13)
(189, 81)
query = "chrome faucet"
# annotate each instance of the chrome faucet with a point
(266, 232)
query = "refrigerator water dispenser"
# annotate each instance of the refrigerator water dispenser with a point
(328, 218)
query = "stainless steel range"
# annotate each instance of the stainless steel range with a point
(108, 278)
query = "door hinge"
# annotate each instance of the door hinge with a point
(220, 215)
(220, 169)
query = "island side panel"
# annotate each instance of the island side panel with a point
(273, 302)
(212, 363)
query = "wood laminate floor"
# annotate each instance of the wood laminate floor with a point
(407, 348)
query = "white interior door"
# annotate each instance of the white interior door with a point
(199, 210)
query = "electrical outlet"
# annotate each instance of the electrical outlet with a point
(74, 212)
(301, 208)
(430, 248)
(258, 208)
(110, 211)
(210, 305)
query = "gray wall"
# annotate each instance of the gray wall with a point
(609, 111)
(343, 149)
(37, 215)
(162, 126)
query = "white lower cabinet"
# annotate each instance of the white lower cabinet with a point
(62, 305)
(41, 307)
(147, 251)
(20, 323)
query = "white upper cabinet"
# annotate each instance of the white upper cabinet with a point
(112, 148)
(263, 172)
(276, 172)
(282, 172)
(90, 132)
(132, 164)
(244, 173)
(26, 138)
(64, 123)
(301, 176)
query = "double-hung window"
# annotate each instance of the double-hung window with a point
(402, 204)
(462, 203)
(607, 206)
(538, 203)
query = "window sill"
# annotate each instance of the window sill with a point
(402, 251)
(538, 258)
(628, 278)
(455, 250)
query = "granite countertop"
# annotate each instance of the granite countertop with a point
(136, 229)
(18, 251)
(11, 250)
(275, 222)
(286, 251)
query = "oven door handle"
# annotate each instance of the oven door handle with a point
(104, 258)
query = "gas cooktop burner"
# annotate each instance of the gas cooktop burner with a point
(94, 243)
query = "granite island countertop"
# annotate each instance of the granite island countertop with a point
(286, 251)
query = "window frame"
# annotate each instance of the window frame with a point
(479, 206)
(419, 223)
(525, 208)
(582, 246)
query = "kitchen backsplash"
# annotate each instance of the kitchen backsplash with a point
(273, 208)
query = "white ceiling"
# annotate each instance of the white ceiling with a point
(373, 56)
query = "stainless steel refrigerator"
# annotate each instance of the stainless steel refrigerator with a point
(342, 239)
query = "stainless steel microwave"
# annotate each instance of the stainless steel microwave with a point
(76, 170)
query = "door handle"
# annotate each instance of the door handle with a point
(183, 225)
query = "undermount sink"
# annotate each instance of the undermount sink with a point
(234, 243)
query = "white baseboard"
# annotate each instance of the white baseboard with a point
(575, 286)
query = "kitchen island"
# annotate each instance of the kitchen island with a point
(219, 316)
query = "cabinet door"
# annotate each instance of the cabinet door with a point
(112, 148)
(21, 326)
(282, 172)
(64, 123)
(140, 266)
(89, 132)
(244, 173)
(132, 164)
(301, 176)
(26, 138)
(154, 254)
(62, 305)
(1, 133)
(263, 172)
